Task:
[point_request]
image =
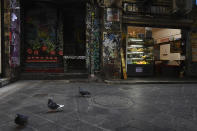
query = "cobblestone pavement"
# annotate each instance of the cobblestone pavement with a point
(150, 107)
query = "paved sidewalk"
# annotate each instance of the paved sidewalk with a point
(112, 107)
(154, 80)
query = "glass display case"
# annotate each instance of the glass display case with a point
(140, 57)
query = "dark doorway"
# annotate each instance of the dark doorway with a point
(53, 30)
(74, 36)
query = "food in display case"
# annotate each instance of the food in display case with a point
(138, 52)
(139, 57)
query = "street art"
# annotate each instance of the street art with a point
(111, 46)
(96, 41)
(44, 35)
(111, 55)
(111, 43)
(14, 34)
(111, 20)
(88, 34)
(92, 38)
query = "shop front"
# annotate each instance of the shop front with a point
(155, 52)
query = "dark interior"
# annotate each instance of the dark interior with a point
(72, 15)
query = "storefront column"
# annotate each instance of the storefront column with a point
(11, 38)
(112, 39)
(7, 69)
(92, 38)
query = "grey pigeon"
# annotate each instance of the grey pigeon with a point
(84, 93)
(54, 106)
(21, 120)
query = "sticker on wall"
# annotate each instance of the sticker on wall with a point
(113, 15)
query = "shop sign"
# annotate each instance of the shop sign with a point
(164, 40)
(113, 15)
(139, 69)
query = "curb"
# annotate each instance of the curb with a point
(4, 82)
(148, 82)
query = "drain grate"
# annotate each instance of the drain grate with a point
(107, 101)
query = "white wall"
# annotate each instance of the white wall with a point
(162, 34)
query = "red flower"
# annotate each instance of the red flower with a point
(52, 52)
(36, 52)
(29, 51)
(44, 48)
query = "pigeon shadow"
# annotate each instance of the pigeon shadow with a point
(50, 112)
(19, 127)
(87, 96)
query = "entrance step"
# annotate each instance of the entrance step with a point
(53, 76)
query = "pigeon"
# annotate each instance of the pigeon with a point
(21, 120)
(53, 106)
(84, 93)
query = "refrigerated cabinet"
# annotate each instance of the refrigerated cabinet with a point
(139, 57)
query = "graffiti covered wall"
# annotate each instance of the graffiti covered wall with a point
(15, 34)
(111, 43)
(92, 38)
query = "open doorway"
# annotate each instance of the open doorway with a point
(155, 52)
(74, 37)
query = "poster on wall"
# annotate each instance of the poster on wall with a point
(194, 46)
(113, 15)
(111, 47)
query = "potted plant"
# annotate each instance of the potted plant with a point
(51, 48)
(36, 47)
(29, 51)
(52, 52)
(36, 52)
(44, 48)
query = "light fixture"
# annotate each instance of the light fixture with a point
(136, 40)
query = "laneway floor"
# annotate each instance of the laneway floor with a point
(111, 107)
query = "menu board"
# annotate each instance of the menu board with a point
(194, 46)
(165, 52)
